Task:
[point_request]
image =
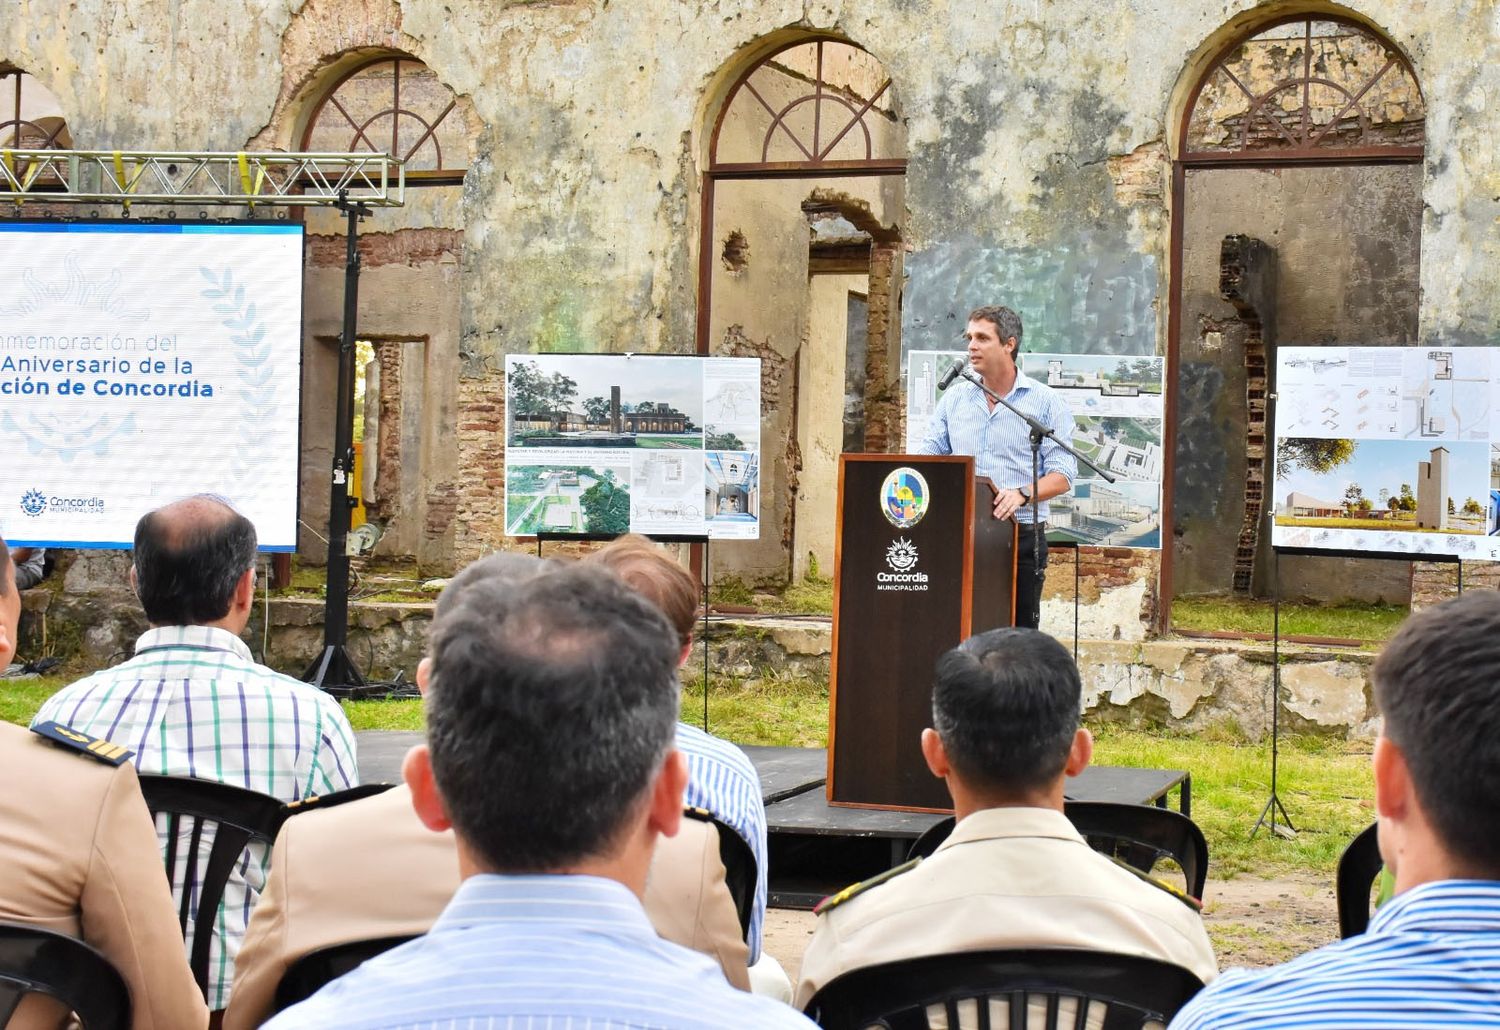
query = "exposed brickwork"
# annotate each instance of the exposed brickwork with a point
(402, 247)
(1104, 568)
(479, 515)
(388, 443)
(777, 386)
(1247, 280)
(884, 411)
(1432, 582)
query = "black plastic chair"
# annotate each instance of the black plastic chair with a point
(1358, 866)
(306, 976)
(35, 961)
(235, 817)
(739, 872)
(1138, 835)
(962, 986)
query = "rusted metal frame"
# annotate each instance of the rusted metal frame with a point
(1307, 79)
(860, 118)
(1256, 103)
(1305, 156)
(395, 106)
(1258, 108)
(803, 169)
(817, 104)
(359, 132)
(705, 262)
(1353, 101)
(431, 129)
(765, 149)
(775, 121)
(17, 115)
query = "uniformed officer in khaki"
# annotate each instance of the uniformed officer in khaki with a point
(1014, 873)
(78, 854)
(370, 869)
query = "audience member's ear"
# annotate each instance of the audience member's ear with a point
(1080, 754)
(1393, 797)
(425, 799)
(687, 650)
(244, 590)
(665, 815)
(424, 675)
(935, 754)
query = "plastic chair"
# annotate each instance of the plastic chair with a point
(1358, 866)
(1138, 835)
(306, 976)
(235, 817)
(37, 961)
(964, 987)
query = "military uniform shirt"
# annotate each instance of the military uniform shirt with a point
(193, 702)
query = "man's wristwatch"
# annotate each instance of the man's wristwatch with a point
(1025, 494)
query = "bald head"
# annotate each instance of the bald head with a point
(190, 557)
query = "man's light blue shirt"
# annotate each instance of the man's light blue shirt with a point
(566, 952)
(1431, 958)
(1000, 441)
(722, 780)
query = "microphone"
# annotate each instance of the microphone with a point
(954, 371)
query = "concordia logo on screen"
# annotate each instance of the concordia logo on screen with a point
(33, 502)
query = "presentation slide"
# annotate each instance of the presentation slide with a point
(142, 363)
(1392, 450)
(1116, 402)
(604, 444)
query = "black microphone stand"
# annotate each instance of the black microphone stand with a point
(1039, 432)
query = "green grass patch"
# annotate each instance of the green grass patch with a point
(384, 715)
(20, 699)
(1351, 621)
(778, 711)
(669, 443)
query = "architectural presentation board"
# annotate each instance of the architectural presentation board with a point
(604, 444)
(1116, 402)
(141, 363)
(1388, 449)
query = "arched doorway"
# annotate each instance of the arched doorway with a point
(799, 265)
(1297, 187)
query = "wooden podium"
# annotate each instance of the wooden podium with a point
(921, 563)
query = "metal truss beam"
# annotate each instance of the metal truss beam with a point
(201, 178)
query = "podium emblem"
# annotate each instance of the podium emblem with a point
(904, 497)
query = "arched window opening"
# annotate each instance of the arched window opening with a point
(823, 104)
(397, 106)
(1306, 87)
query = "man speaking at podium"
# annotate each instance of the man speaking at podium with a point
(967, 421)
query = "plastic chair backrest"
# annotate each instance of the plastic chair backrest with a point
(35, 961)
(1358, 866)
(1043, 987)
(739, 872)
(307, 975)
(196, 812)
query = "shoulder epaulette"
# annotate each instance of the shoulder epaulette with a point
(1176, 892)
(337, 797)
(94, 747)
(703, 815)
(833, 901)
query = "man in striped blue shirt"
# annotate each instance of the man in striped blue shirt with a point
(1431, 956)
(967, 421)
(551, 713)
(194, 702)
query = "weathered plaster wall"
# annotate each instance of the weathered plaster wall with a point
(1035, 132)
(1346, 250)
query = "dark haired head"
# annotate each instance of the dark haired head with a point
(1005, 705)
(1006, 322)
(188, 558)
(550, 708)
(1437, 683)
(504, 567)
(656, 577)
(7, 570)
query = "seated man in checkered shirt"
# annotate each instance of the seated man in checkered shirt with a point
(193, 702)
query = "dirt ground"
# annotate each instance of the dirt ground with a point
(1252, 922)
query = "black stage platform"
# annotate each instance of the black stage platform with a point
(815, 848)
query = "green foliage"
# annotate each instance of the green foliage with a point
(1315, 455)
(730, 590)
(1347, 621)
(20, 699)
(714, 440)
(606, 506)
(1471, 506)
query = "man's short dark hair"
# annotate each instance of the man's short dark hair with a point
(188, 557)
(7, 570)
(1437, 682)
(549, 710)
(1006, 322)
(1005, 704)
